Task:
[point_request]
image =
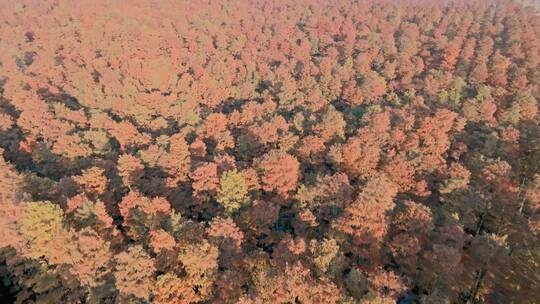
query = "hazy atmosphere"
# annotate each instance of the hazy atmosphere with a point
(258, 151)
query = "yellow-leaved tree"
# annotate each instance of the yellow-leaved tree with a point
(41, 221)
(233, 191)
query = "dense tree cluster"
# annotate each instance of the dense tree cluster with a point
(269, 151)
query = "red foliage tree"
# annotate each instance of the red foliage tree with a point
(280, 172)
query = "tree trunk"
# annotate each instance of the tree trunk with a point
(479, 277)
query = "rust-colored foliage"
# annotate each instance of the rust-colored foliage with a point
(93, 181)
(161, 240)
(205, 178)
(269, 151)
(141, 214)
(170, 289)
(130, 169)
(280, 172)
(227, 230)
(361, 154)
(199, 262)
(134, 273)
(85, 253)
(366, 220)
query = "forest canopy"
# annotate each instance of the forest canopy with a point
(253, 151)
